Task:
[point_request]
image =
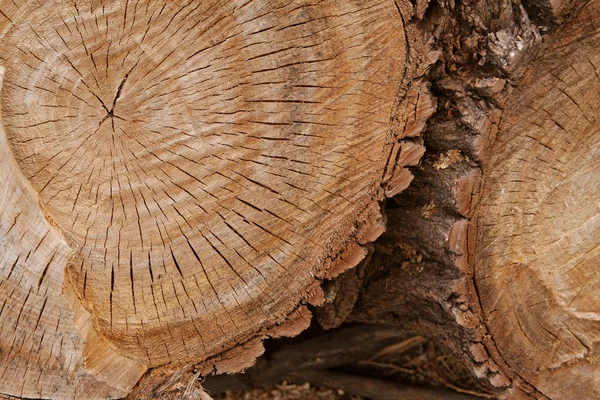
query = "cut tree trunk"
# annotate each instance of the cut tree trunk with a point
(535, 242)
(183, 180)
(498, 238)
(178, 177)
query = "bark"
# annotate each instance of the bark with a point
(314, 360)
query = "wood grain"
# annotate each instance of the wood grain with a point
(177, 174)
(536, 268)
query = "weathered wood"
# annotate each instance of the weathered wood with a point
(178, 178)
(183, 180)
(535, 243)
(497, 237)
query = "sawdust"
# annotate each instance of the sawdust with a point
(286, 391)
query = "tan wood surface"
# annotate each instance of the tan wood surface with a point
(536, 267)
(178, 175)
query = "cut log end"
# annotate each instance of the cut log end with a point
(498, 235)
(178, 176)
(538, 230)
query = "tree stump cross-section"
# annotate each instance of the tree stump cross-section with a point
(538, 229)
(179, 175)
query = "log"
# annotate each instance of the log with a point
(537, 235)
(314, 360)
(344, 346)
(179, 178)
(184, 180)
(497, 238)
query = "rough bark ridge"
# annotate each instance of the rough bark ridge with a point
(179, 177)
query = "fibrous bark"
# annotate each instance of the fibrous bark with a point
(179, 177)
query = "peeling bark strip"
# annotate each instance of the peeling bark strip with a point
(177, 176)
